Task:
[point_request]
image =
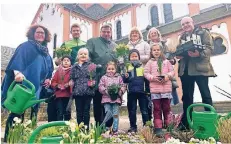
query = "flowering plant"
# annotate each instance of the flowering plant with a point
(160, 63)
(210, 140)
(122, 138)
(113, 91)
(62, 51)
(75, 133)
(20, 132)
(91, 69)
(122, 52)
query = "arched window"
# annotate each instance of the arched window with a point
(154, 16)
(54, 46)
(219, 47)
(168, 13)
(118, 30)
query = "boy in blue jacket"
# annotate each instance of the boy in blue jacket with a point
(137, 89)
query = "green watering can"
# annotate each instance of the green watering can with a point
(20, 97)
(50, 139)
(204, 123)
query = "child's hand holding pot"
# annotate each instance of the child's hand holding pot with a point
(166, 78)
(61, 86)
(71, 83)
(66, 85)
(126, 75)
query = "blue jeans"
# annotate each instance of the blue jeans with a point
(114, 109)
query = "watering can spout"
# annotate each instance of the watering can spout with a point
(32, 102)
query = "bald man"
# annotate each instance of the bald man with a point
(195, 67)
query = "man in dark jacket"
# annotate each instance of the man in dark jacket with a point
(100, 53)
(195, 67)
(136, 89)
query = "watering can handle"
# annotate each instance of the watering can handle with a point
(25, 80)
(44, 126)
(196, 105)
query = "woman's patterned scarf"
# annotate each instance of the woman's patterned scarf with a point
(40, 48)
(135, 42)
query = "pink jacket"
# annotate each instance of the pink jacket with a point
(151, 72)
(106, 81)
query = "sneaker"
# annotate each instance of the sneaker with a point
(132, 129)
(158, 132)
(107, 128)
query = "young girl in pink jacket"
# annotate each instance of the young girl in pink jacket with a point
(110, 104)
(158, 71)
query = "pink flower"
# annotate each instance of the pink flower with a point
(92, 67)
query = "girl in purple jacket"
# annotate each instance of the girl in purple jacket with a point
(111, 103)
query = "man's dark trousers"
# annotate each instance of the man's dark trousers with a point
(99, 112)
(188, 84)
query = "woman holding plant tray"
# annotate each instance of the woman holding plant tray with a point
(158, 72)
(83, 79)
(112, 88)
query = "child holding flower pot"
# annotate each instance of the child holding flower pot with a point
(158, 71)
(112, 88)
(62, 86)
(137, 89)
(83, 78)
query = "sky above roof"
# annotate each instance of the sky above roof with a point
(15, 20)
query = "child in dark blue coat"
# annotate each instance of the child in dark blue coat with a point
(136, 89)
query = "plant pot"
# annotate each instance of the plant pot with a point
(113, 95)
(160, 77)
(91, 83)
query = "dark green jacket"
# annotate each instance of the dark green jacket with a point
(101, 52)
(75, 45)
(199, 66)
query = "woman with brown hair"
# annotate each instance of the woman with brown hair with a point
(32, 61)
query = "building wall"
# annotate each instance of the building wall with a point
(179, 10)
(86, 27)
(220, 66)
(206, 5)
(54, 23)
(126, 25)
(144, 15)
